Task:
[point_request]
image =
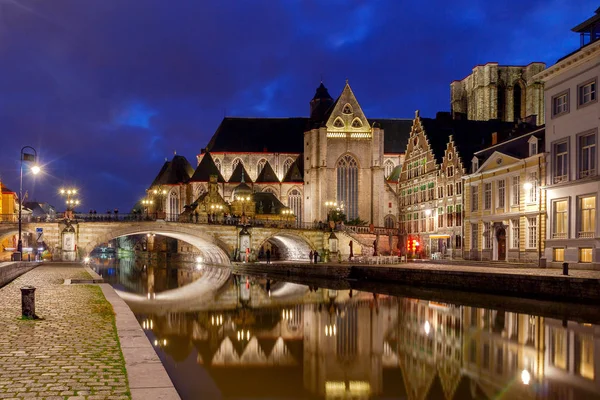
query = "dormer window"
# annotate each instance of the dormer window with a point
(338, 123)
(347, 109)
(533, 146)
(475, 164)
(357, 123)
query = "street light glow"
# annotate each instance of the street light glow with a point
(35, 169)
(528, 185)
(525, 377)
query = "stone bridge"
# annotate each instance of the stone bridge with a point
(217, 243)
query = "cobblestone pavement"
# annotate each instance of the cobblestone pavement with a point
(73, 352)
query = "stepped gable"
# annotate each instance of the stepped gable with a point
(267, 175)
(273, 135)
(240, 175)
(295, 173)
(396, 133)
(269, 202)
(205, 169)
(174, 172)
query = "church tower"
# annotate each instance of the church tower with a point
(320, 103)
(343, 157)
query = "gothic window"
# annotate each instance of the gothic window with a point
(295, 203)
(173, 211)
(347, 109)
(218, 164)
(260, 166)
(338, 123)
(347, 185)
(357, 123)
(389, 221)
(388, 168)
(287, 164)
(235, 163)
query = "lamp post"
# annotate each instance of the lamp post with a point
(147, 203)
(35, 169)
(215, 209)
(244, 200)
(71, 200)
(160, 193)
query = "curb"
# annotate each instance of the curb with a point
(147, 377)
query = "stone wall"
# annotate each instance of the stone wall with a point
(12, 270)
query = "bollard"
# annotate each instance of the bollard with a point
(28, 302)
(565, 268)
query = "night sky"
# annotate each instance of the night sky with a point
(105, 90)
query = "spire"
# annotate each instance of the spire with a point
(243, 181)
(320, 102)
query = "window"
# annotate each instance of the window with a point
(173, 207)
(295, 203)
(260, 166)
(533, 187)
(458, 188)
(474, 236)
(585, 254)
(388, 221)
(487, 235)
(586, 93)
(587, 217)
(440, 217)
(558, 254)
(475, 164)
(514, 233)
(440, 192)
(347, 109)
(533, 145)
(532, 234)
(338, 123)
(561, 161)
(430, 191)
(474, 198)
(235, 163)
(449, 215)
(287, 164)
(347, 185)
(587, 155)
(218, 164)
(516, 190)
(450, 190)
(388, 168)
(560, 214)
(501, 193)
(458, 215)
(487, 196)
(450, 171)
(560, 104)
(356, 123)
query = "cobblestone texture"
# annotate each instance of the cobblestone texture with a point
(73, 352)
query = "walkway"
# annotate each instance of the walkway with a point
(73, 352)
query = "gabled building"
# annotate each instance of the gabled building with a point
(505, 211)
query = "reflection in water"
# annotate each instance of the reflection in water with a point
(259, 338)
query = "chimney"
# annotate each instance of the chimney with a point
(494, 138)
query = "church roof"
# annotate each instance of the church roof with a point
(173, 172)
(396, 133)
(322, 93)
(239, 174)
(273, 135)
(205, 169)
(295, 174)
(269, 202)
(267, 175)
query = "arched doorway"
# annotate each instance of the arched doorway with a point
(501, 239)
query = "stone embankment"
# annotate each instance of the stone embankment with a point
(540, 283)
(12, 270)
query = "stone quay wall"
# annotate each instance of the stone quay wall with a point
(10, 271)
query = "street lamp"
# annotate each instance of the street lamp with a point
(244, 200)
(35, 169)
(71, 201)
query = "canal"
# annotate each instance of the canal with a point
(221, 335)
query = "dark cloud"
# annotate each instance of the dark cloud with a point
(106, 89)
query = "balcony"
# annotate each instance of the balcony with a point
(559, 235)
(586, 173)
(559, 179)
(586, 235)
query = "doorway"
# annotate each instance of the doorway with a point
(501, 238)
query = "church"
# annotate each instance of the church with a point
(339, 159)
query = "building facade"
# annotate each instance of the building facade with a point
(571, 144)
(505, 209)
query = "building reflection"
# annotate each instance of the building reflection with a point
(338, 344)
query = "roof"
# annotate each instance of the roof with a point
(516, 145)
(396, 133)
(173, 172)
(205, 169)
(295, 173)
(586, 25)
(273, 135)
(239, 174)
(269, 203)
(5, 189)
(267, 175)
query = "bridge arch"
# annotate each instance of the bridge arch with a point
(214, 250)
(288, 244)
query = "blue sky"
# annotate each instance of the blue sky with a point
(105, 90)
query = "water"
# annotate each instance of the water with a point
(222, 336)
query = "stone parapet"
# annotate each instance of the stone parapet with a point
(12, 270)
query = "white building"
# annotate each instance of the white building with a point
(572, 112)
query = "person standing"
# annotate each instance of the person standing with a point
(310, 256)
(268, 256)
(316, 256)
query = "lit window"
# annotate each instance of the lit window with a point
(560, 104)
(516, 190)
(587, 217)
(533, 189)
(585, 254)
(347, 185)
(587, 155)
(388, 168)
(295, 203)
(558, 254)
(587, 93)
(560, 215)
